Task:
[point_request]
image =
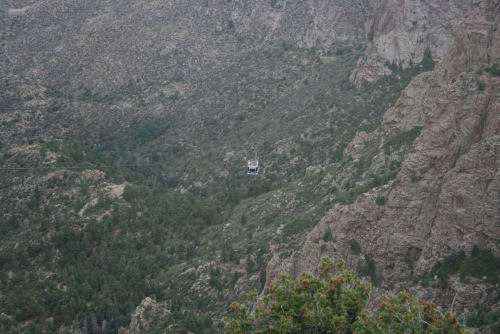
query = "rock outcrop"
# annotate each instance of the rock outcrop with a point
(400, 32)
(446, 198)
(144, 315)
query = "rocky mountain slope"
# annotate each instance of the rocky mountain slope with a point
(376, 123)
(400, 32)
(446, 197)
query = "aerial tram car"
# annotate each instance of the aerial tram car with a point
(253, 166)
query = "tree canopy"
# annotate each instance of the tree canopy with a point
(334, 303)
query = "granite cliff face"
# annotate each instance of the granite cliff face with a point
(446, 197)
(400, 32)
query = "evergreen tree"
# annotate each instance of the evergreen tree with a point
(334, 303)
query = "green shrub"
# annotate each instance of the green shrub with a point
(480, 86)
(355, 247)
(370, 270)
(481, 263)
(427, 62)
(215, 278)
(327, 236)
(494, 69)
(484, 318)
(185, 322)
(405, 138)
(381, 200)
(299, 224)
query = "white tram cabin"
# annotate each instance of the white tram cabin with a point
(253, 167)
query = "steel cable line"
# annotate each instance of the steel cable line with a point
(63, 167)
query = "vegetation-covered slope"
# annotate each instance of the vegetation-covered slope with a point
(135, 121)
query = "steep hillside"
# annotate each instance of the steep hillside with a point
(126, 128)
(445, 199)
